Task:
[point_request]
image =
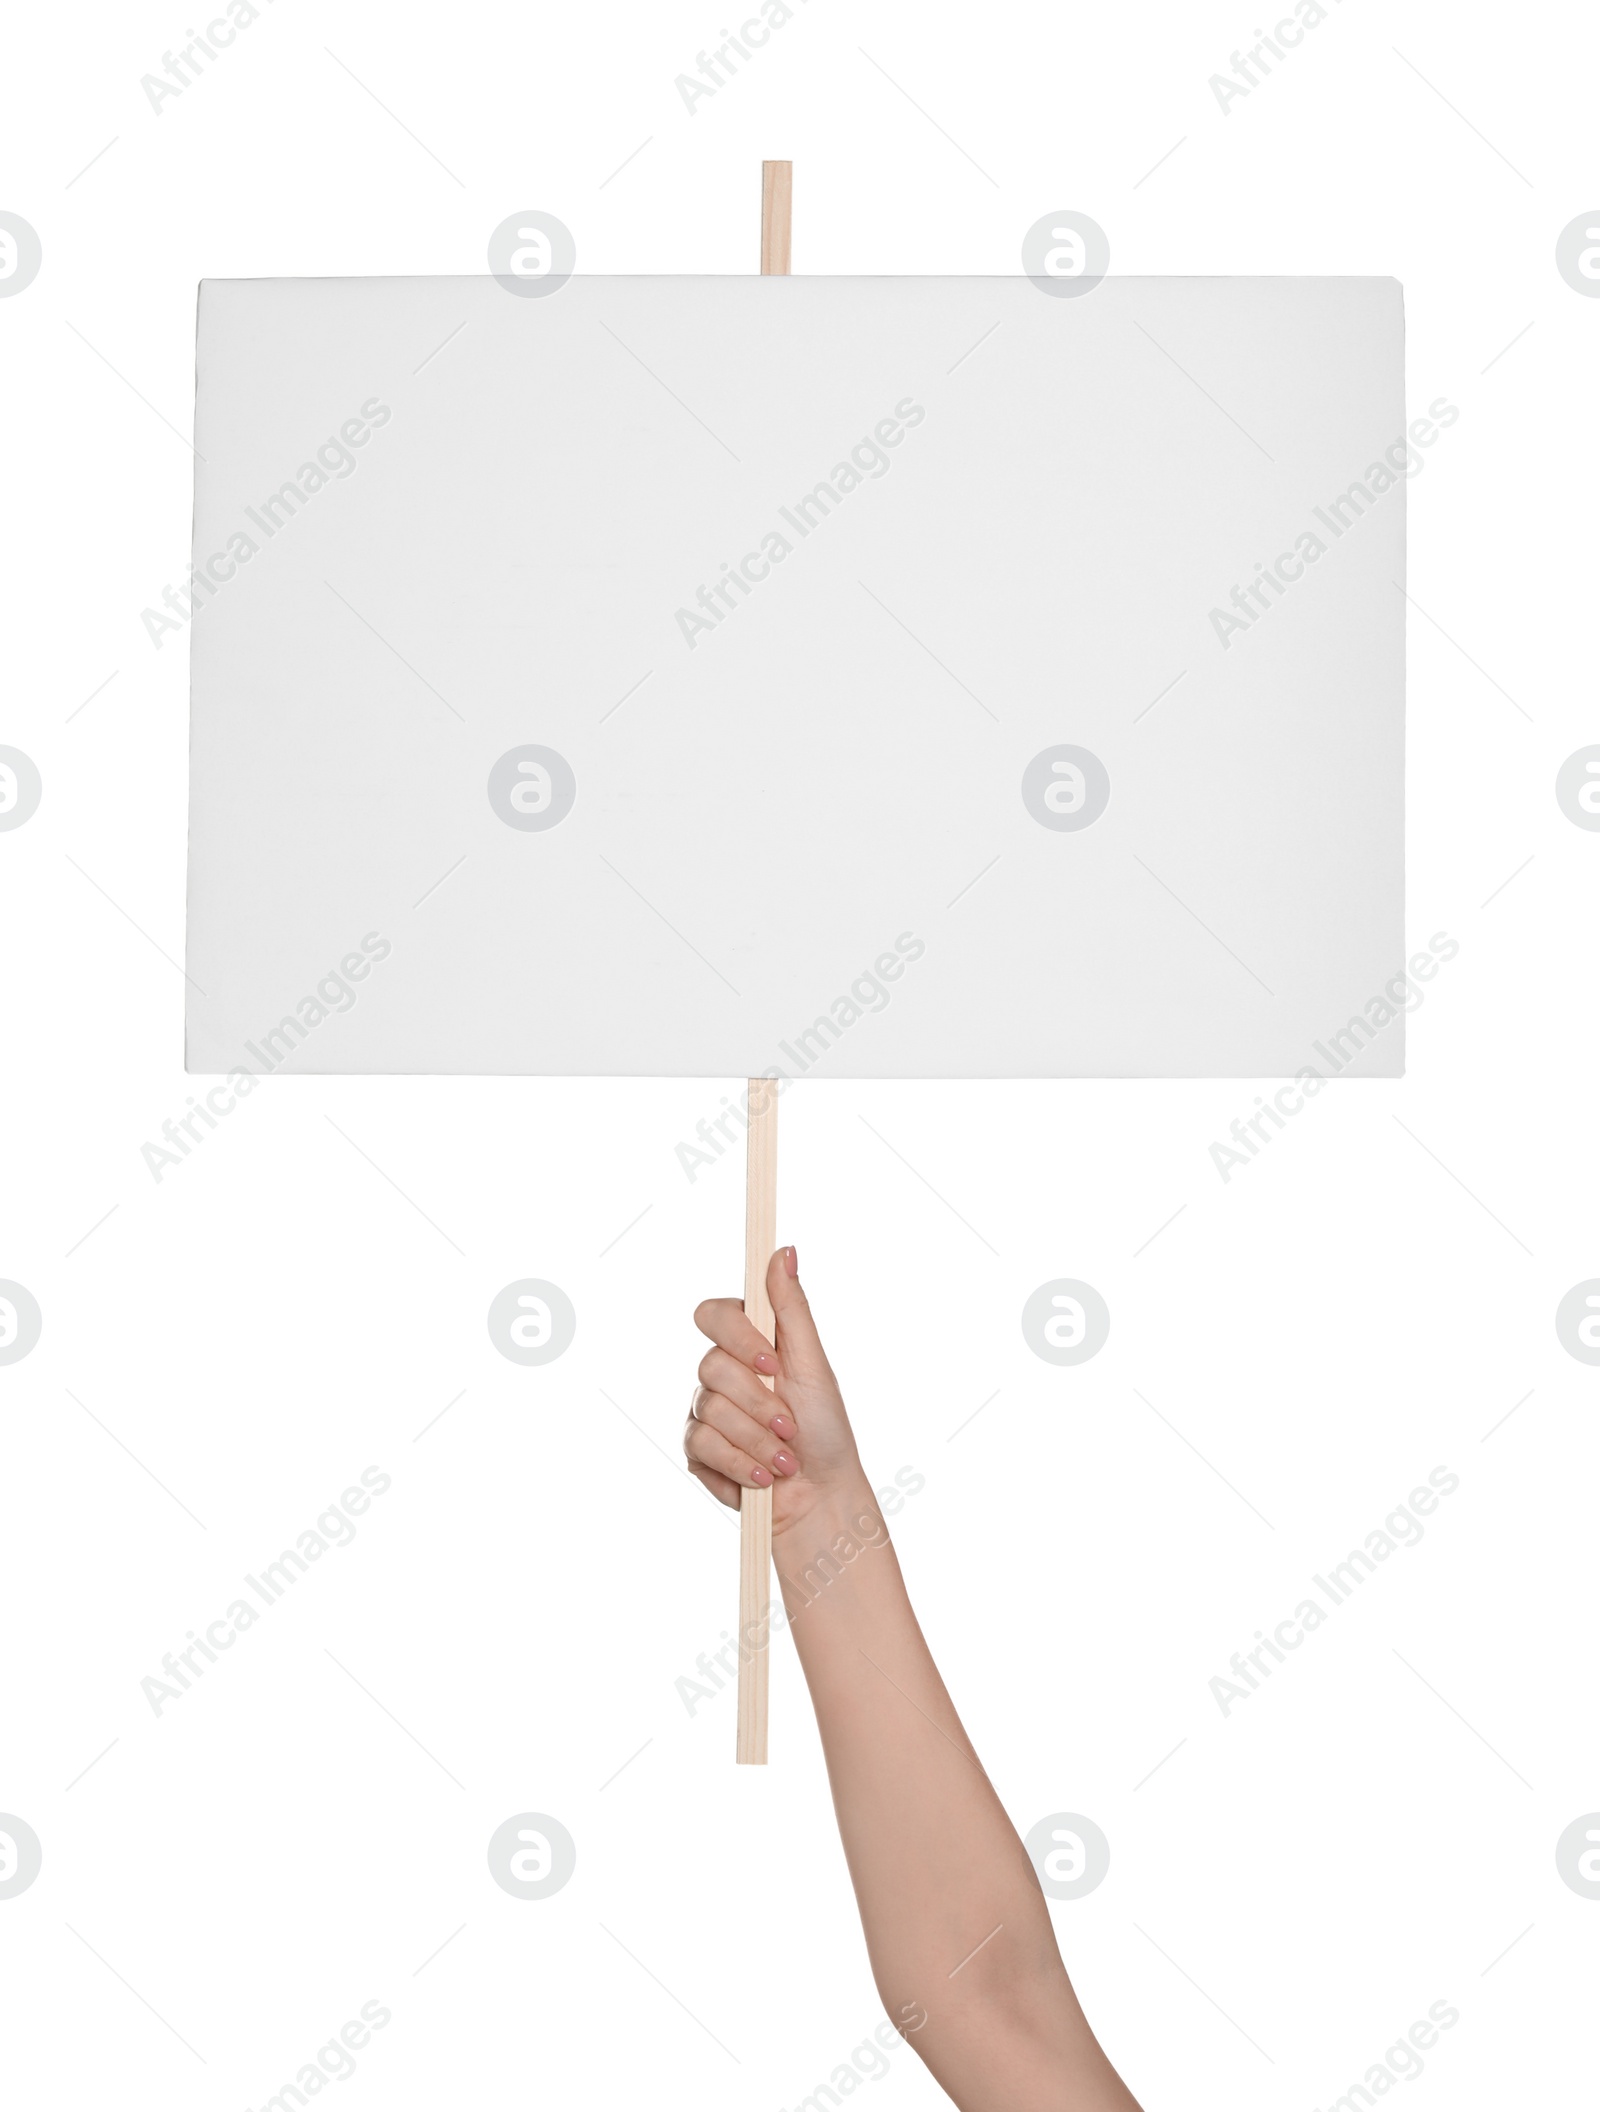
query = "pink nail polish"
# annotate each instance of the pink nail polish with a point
(760, 1476)
(791, 1261)
(765, 1360)
(782, 1426)
(785, 1463)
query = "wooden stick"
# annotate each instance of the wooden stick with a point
(755, 1505)
(760, 1215)
(777, 195)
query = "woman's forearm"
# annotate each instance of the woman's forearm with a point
(957, 1930)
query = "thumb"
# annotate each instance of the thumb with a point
(799, 1344)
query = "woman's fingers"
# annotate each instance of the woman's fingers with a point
(752, 1440)
(721, 1372)
(707, 1447)
(723, 1319)
(798, 1341)
(743, 1357)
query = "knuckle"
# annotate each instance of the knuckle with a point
(727, 1374)
(723, 1415)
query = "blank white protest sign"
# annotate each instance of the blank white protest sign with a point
(905, 693)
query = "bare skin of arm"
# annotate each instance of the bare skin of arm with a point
(957, 1930)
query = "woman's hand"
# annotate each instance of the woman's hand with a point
(794, 1438)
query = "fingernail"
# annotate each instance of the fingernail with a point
(782, 1426)
(760, 1476)
(791, 1261)
(785, 1463)
(765, 1360)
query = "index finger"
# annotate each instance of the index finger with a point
(725, 1321)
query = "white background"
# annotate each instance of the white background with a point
(1373, 1296)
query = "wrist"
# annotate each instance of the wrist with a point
(839, 1504)
(825, 1541)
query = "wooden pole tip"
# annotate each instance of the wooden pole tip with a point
(777, 196)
